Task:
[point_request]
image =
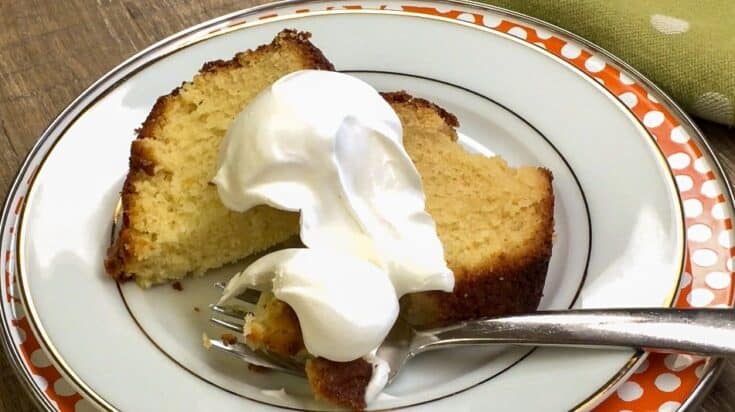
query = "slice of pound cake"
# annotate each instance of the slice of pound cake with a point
(494, 221)
(173, 222)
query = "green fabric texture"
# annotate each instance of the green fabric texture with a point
(686, 47)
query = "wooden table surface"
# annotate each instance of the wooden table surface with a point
(51, 50)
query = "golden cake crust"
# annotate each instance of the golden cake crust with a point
(405, 99)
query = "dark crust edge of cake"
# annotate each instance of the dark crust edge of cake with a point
(509, 288)
(141, 162)
(401, 97)
(342, 383)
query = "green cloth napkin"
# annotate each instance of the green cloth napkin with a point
(686, 47)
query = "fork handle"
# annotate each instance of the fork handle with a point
(708, 332)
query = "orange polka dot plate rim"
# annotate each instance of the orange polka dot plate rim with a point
(643, 217)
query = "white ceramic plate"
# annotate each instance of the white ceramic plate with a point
(632, 177)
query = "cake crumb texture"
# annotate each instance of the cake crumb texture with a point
(341, 383)
(173, 222)
(275, 327)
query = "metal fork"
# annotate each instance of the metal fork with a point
(706, 332)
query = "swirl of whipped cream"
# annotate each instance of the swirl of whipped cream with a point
(328, 145)
(321, 287)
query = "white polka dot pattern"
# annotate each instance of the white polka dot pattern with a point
(629, 99)
(571, 51)
(518, 32)
(669, 406)
(18, 335)
(676, 363)
(62, 387)
(686, 280)
(630, 391)
(699, 233)
(653, 119)
(84, 406)
(679, 135)
(684, 182)
(543, 34)
(668, 24)
(718, 211)
(679, 160)
(718, 280)
(692, 208)
(725, 238)
(625, 79)
(40, 381)
(17, 309)
(701, 165)
(594, 64)
(704, 257)
(667, 382)
(468, 17)
(39, 358)
(700, 297)
(710, 188)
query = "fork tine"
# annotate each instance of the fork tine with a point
(288, 363)
(248, 300)
(233, 326)
(250, 296)
(243, 352)
(230, 311)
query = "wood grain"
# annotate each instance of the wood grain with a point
(52, 50)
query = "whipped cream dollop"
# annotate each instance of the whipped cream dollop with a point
(328, 145)
(332, 294)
